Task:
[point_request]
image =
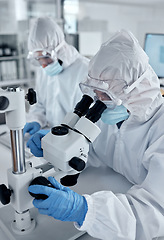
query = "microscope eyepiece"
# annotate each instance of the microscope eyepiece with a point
(82, 107)
(95, 112)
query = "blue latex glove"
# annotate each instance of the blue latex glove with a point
(31, 128)
(34, 143)
(62, 203)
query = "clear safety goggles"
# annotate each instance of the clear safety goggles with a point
(90, 85)
(39, 57)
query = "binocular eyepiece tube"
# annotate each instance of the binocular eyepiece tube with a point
(93, 113)
(82, 107)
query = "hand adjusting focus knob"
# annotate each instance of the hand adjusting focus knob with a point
(40, 181)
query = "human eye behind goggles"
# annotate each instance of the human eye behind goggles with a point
(106, 99)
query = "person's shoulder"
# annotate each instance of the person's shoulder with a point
(159, 114)
(157, 120)
(85, 59)
(82, 62)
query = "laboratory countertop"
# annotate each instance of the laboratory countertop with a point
(106, 179)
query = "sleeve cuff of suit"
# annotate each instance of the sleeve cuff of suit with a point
(89, 215)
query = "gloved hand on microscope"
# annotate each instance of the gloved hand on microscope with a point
(62, 203)
(34, 143)
(31, 128)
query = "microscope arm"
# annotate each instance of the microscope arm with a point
(12, 103)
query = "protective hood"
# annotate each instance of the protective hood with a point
(121, 69)
(46, 35)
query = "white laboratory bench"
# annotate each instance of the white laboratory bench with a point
(105, 179)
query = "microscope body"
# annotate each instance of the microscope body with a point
(66, 147)
(59, 150)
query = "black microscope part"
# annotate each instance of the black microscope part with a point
(82, 107)
(4, 103)
(95, 112)
(5, 194)
(31, 96)
(40, 181)
(60, 130)
(69, 180)
(77, 163)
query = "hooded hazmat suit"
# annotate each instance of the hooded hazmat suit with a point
(56, 95)
(135, 150)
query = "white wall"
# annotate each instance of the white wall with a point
(138, 19)
(7, 17)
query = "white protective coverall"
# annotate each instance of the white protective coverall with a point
(135, 150)
(56, 95)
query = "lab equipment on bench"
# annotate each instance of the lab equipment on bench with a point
(65, 148)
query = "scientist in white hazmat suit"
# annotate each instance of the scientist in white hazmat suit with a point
(60, 69)
(131, 142)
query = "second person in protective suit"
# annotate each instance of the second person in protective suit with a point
(60, 68)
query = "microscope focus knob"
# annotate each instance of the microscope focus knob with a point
(31, 96)
(5, 194)
(77, 164)
(40, 181)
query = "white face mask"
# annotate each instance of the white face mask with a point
(114, 116)
(53, 69)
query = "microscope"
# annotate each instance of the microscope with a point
(65, 150)
(66, 146)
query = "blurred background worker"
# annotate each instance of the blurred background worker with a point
(60, 69)
(131, 142)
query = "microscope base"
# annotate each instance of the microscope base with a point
(46, 227)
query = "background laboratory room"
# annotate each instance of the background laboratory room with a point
(81, 119)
